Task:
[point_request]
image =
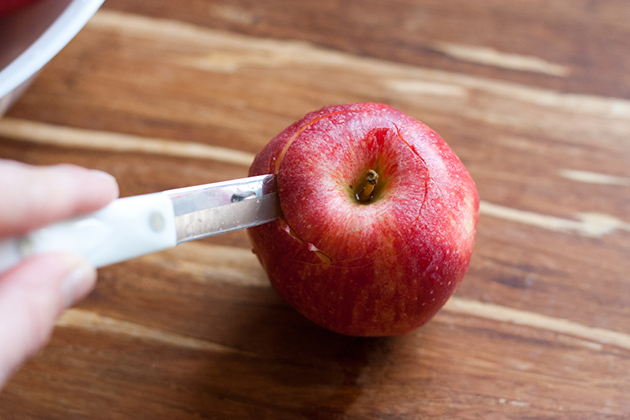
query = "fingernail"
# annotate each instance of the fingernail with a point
(103, 175)
(78, 283)
(107, 178)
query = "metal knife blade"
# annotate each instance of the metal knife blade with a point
(212, 209)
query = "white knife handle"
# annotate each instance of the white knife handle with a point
(126, 228)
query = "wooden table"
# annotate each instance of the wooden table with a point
(534, 96)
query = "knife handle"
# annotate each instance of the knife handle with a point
(126, 228)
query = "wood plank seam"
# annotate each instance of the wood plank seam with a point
(535, 320)
(589, 224)
(492, 57)
(595, 177)
(92, 321)
(117, 142)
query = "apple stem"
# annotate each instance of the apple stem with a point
(371, 179)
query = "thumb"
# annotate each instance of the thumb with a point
(32, 295)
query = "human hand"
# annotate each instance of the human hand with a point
(34, 292)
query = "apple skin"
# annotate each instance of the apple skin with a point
(379, 268)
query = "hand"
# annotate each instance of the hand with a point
(34, 292)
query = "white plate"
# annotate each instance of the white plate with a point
(32, 37)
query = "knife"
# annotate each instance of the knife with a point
(134, 226)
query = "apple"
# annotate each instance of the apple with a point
(378, 220)
(11, 6)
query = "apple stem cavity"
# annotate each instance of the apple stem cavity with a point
(366, 193)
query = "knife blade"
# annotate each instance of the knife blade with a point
(134, 226)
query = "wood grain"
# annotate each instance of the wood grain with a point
(533, 97)
(588, 39)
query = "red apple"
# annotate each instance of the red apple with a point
(361, 262)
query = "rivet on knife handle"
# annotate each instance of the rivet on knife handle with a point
(126, 228)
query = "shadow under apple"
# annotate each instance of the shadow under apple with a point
(299, 370)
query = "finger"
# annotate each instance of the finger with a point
(36, 196)
(32, 295)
